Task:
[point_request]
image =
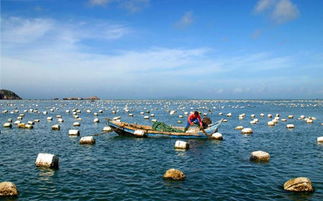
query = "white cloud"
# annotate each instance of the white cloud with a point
(263, 5)
(134, 5)
(38, 31)
(186, 20)
(99, 2)
(279, 11)
(284, 11)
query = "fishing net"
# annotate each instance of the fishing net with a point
(161, 126)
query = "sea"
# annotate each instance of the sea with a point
(128, 168)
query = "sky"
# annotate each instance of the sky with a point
(152, 49)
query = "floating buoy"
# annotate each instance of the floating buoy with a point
(289, 126)
(17, 122)
(8, 189)
(87, 140)
(96, 120)
(172, 112)
(259, 156)
(299, 184)
(7, 125)
(246, 131)
(174, 174)
(74, 132)
(271, 123)
(21, 125)
(28, 126)
(217, 136)
(76, 124)
(181, 145)
(56, 127)
(238, 128)
(319, 139)
(107, 129)
(31, 122)
(47, 160)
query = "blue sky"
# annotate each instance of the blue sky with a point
(162, 48)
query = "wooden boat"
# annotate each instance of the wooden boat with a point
(137, 130)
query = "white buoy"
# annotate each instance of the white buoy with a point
(28, 126)
(7, 125)
(107, 129)
(31, 122)
(181, 145)
(96, 120)
(47, 160)
(320, 139)
(76, 124)
(74, 132)
(238, 128)
(217, 136)
(290, 126)
(246, 131)
(17, 122)
(56, 127)
(87, 140)
(271, 123)
(260, 156)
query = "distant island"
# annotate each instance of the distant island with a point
(8, 95)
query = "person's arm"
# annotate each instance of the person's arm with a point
(199, 118)
(189, 119)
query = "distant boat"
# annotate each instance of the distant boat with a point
(137, 130)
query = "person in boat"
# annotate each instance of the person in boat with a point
(192, 119)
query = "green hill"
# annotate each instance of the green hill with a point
(8, 95)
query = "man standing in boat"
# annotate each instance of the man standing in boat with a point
(192, 119)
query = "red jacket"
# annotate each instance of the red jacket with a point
(192, 117)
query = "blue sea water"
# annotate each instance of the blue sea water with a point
(125, 168)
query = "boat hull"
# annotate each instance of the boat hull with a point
(133, 131)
